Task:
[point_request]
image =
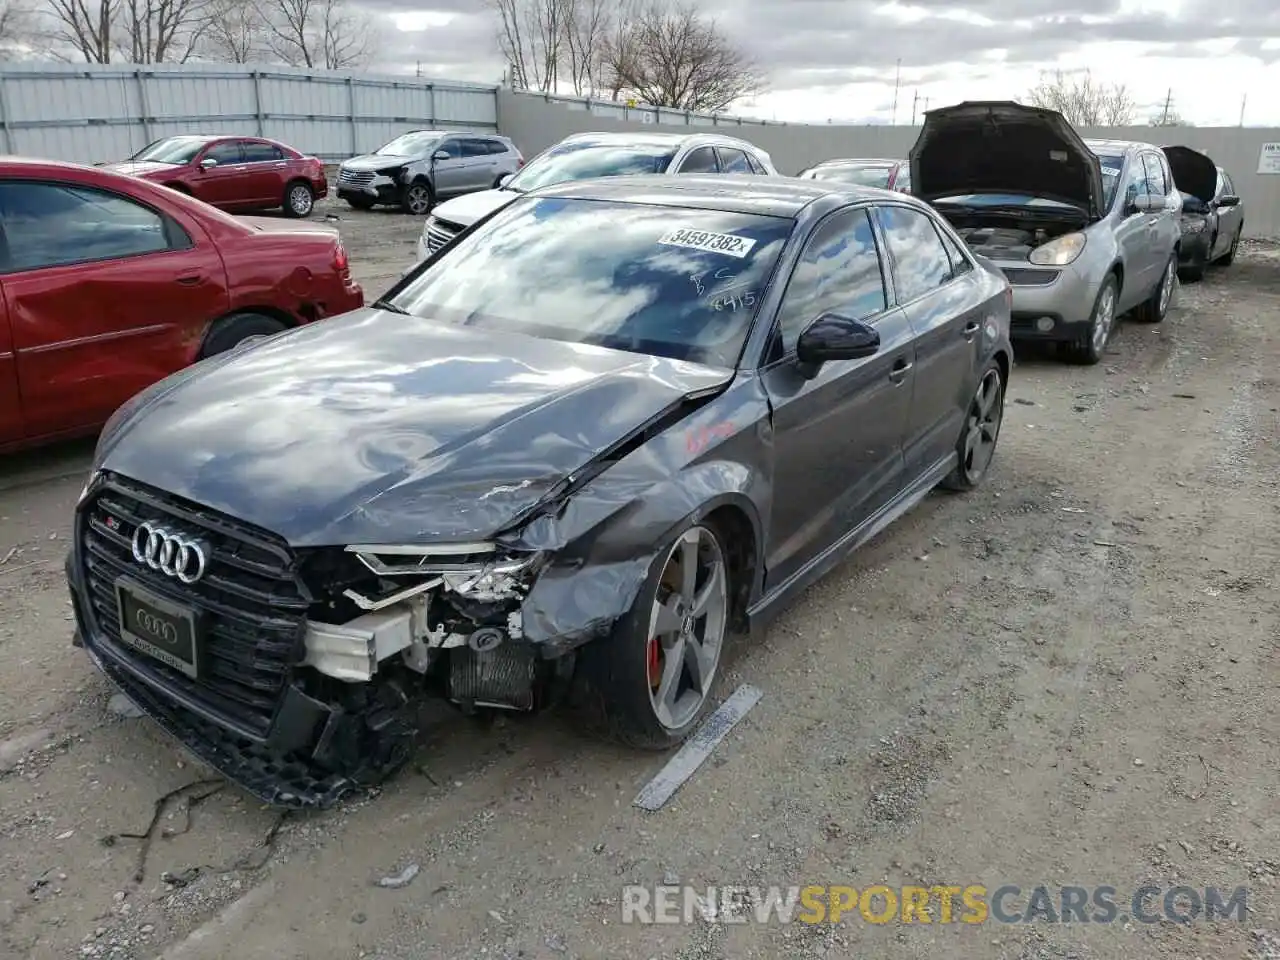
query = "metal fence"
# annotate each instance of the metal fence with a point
(91, 113)
(630, 112)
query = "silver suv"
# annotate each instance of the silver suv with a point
(420, 168)
(585, 156)
(1084, 230)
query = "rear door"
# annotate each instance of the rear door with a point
(699, 160)
(265, 172)
(934, 284)
(733, 160)
(105, 296)
(11, 427)
(838, 435)
(226, 183)
(481, 163)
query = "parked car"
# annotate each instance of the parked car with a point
(418, 169)
(886, 174)
(232, 173)
(1085, 231)
(1212, 217)
(108, 283)
(570, 454)
(585, 155)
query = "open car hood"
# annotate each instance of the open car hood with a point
(998, 146)
(1193, 172)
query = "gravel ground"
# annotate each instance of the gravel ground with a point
(1066, 678)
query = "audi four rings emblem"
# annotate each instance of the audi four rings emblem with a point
(153, 626)
(170, 552)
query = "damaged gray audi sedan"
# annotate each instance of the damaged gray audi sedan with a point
(566, 457)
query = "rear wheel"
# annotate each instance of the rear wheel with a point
(299, 199)
(1156, 307)
(977, 444)
(1093, 343)
(230, 331)
(649, 683)
(417, 198)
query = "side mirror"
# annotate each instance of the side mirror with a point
(833, 337)
(440, 155)
(505, 179)
(1229, 200)
(208, 163)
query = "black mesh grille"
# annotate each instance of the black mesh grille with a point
(251, 599)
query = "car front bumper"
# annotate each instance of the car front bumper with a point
(1049, 303)
(380, 189)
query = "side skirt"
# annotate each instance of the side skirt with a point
(765, 608)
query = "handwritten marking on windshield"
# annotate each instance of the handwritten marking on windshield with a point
(734, 301)
(722, 275)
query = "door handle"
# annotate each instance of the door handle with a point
(1153, 221)
(971, 329)
(189, 280)
(900, 370)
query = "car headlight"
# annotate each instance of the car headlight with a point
(1059, 252)
(475, 570)
(392, 172)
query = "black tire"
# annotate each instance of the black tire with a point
(230, 330)
(1156, 307)
(977, 444)
(359, 204)
(417, 198)
(1090, 347)
(299, 199)
(1228, 258)
(614, 680)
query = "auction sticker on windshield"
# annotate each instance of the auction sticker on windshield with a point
(726, 243)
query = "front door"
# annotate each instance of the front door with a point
(837, 435)
(225, 184)
(105, 297)
(450, 177)
(11, 427)
(265, 173)
(934, 282)
(1133, 236)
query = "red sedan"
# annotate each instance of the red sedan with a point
(234, 173)
(109, 283)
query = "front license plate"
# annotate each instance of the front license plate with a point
(160, 629)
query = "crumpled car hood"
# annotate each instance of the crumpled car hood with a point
(381, 428)
(375, 161)
(998, 146)
(1193, 172)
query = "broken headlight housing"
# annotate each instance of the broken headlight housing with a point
(477, 571)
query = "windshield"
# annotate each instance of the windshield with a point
(1111, 167)
(861, 176)
(664, 281)
(171, 150)
(409, 144)
(582, 161)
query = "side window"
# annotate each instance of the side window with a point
(839, 272)
(903, 183)
(733, 160)
(257, 152)
(1227, 186)
(475, 148)
(920, 260)
(1154, 174)
(450, 147)
(702, 160)
(756, 166)
(50, 225)
(225, 153)
(495, 147)
(960, 264)
(1136, 181)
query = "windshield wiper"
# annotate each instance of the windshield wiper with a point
(390, 307)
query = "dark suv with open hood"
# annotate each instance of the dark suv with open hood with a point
(1212, 218)
(1085, 231)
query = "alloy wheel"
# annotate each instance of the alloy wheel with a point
(687, 627)
(418, 199)
(300, 200)
(1104, 316)
(1166, 287)
(986, 413)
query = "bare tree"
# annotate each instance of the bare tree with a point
(17, 27)
(163, 31)
(236, 32)
(670, 55)
(1082, 100)
(532, 37)
(587, 25)
(326, 34)
(85, 28)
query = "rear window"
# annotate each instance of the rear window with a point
(666, 281)
(861, 176)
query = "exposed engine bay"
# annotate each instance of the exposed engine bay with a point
(1000, 235)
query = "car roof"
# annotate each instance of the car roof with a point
(655, 139)
(858, 161)
(1118, 146)
(732, 193)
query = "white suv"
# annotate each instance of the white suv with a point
(585, 156)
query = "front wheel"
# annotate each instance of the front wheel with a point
(1156, 307)
(649, 683)
(1089, 348)
(417, 199)
(977, 444)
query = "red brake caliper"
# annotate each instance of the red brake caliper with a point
(655, 662)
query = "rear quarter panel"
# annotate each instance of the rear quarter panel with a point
(292, 275)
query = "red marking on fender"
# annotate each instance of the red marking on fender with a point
(702, 437)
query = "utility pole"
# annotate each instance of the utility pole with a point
(419, 68)
(1243, 99)
(1168, 102)
(897, 76)
(915, 98)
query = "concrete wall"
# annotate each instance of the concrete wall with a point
(535, 123)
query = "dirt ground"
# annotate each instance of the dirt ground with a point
(1066, 678)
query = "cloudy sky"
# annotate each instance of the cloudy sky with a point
(836, 59)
